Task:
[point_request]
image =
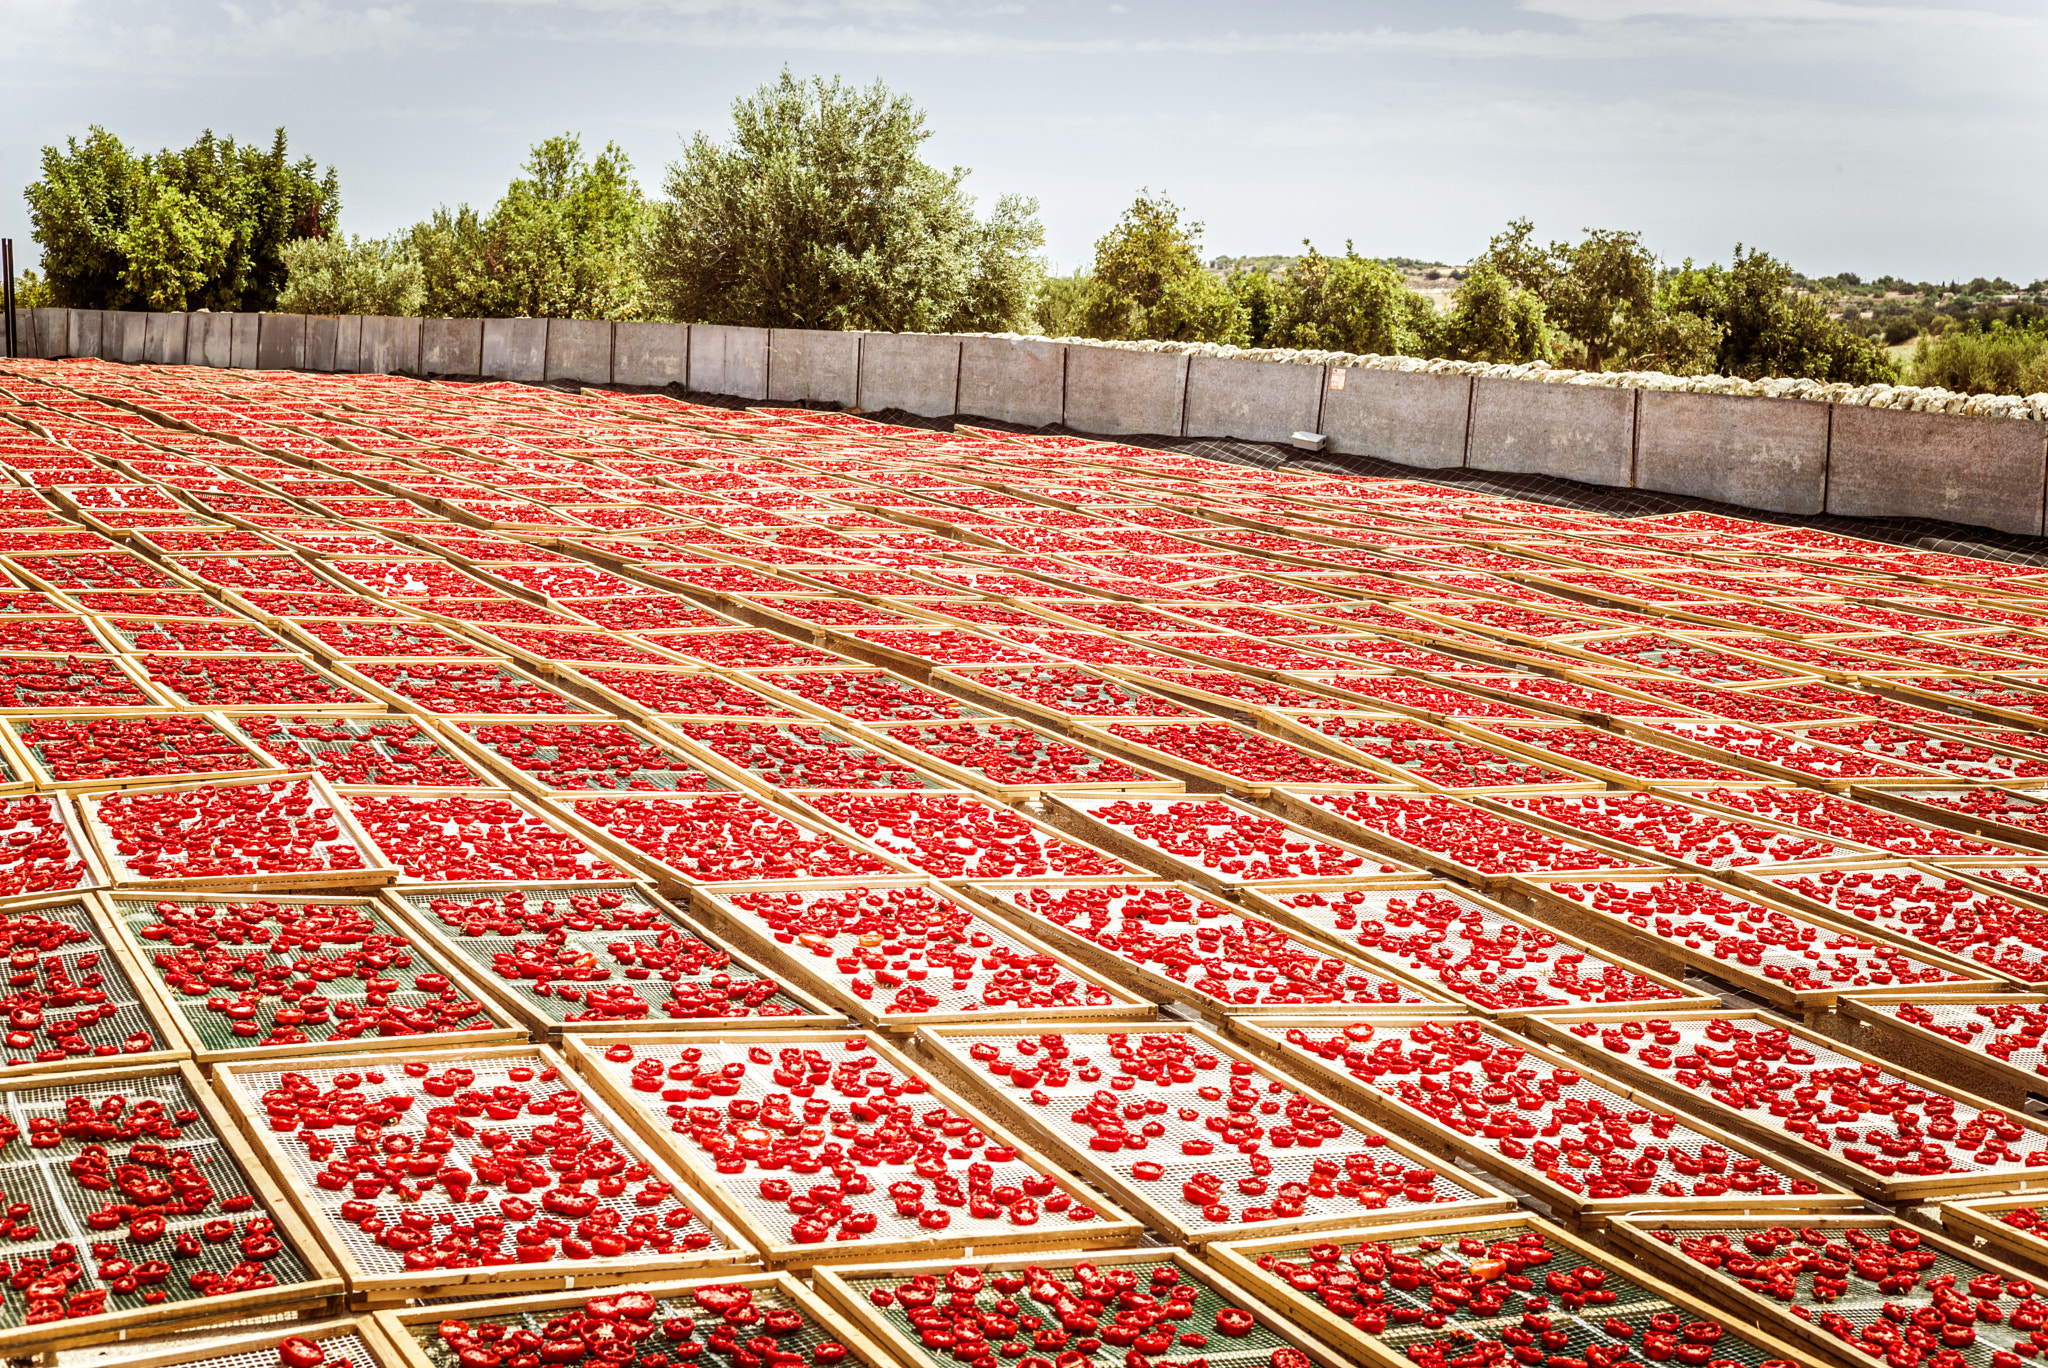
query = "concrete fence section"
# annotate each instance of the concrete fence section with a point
(165, 338)
(726, 360)
(348, 343)
(124, 337)
(280, 342)
(1770, 454)
(1986, 472)
(1022, 382)
(1408, 417)
(210, 340)
(916, 372)
(1112, 391)
(808, 366)
(1254, 401)
(650, 353)
(243, 335)
(1576, 432)
(390, 345)
(452, 346)
(515, 349)
(1792, 456)
(579, 349)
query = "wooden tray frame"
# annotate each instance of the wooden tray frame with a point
(350, 672)
(1137, 978)
(1044, 830)
(1201, 778)
(1110, 1227)
(1299, 806)
(1265, 1040)
(165, 1006)
(1237, 1261)
(10, 740)
(333, 672)
(938, 1047)
(1633, 1236)
(541, 809)
(1072, 813)
(668, 879)
(372, 875)
(453, 731)
(736, 927)
(321, 1293)
(1864, 1023)
(834, 1288)
(180, 1347)
(1533, 895)
(1975, 1224)
(1286, 725)
(545, 1028)
(1908, 1188)
(366, 1289)
(115, 947)
(157, 700)
(1904, 804)
(397, 1326)
(1263, 901)
(738, 776)
(956, 776)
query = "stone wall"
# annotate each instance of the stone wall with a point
(1783, 446)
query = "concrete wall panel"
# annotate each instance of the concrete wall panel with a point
(1021, 382)
(516, 349)
(916, 372)
(1409, 417)
(48, 333)
(86, 332)
(323, 332)
(245, 332)
(580, 349)
(1984, 472)
(210, 339)
(1577, 432)
(281, 341)
(452, 346)
(348, 344)
(1113, 391)
(164, 338)
(391, 345)
(1255, 401)
(651, 354)
(810, 366)
(1768, 454)
(727, 360)
(124, 336)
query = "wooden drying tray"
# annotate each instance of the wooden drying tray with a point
(1110, 1227)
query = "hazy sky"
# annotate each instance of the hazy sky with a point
(1841, 135)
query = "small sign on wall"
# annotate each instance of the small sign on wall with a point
(1337, 378)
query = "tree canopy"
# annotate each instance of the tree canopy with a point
(563, 242)
(1149, 281)
(205, 227)
(820, 212)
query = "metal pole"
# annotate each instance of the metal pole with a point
(7, 268)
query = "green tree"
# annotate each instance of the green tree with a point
(563, 242)
(1496, 320)
(1998, 360)
(1056, 308)
(1352, 304)
(1150, 281)
(204, 227)
(342, 275)
(1767, 328)
(1255, 291)
(821, 213)
(1601, 292)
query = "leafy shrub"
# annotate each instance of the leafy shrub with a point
(342, 275)
(2001, 361)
